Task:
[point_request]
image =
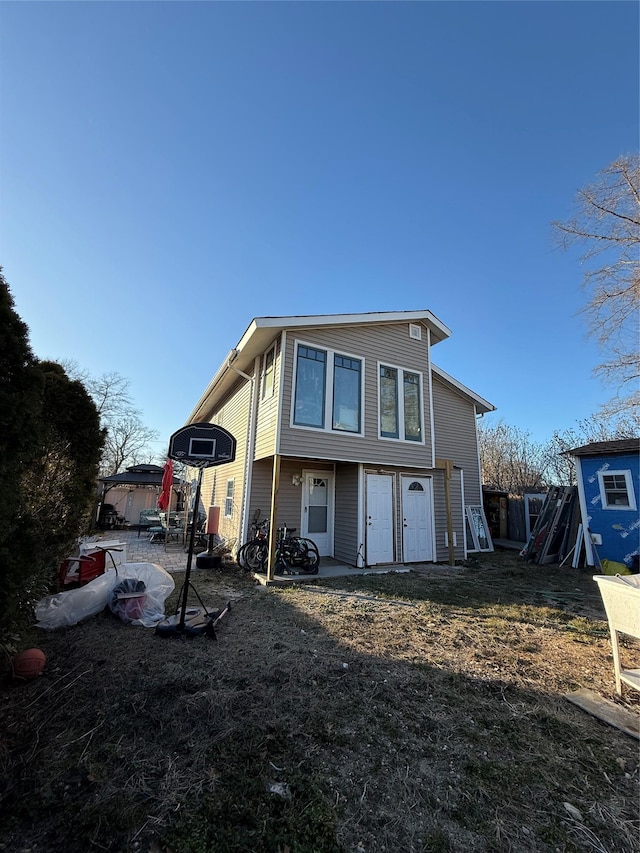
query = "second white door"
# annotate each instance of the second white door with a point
(417, 520)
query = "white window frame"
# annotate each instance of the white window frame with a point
(400, 371)
(268, 389)
(229, 496)
(631, 495)
(475, 520)
(328, 390)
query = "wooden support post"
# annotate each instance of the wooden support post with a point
(273, 526)
(446, 465)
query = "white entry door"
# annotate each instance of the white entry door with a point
(317, 510)
(417, 519)
(379, 519)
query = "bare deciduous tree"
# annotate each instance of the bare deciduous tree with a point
(560, 469)
(510, 460)
(128, 440)
(607, 222)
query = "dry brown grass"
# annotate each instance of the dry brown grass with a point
(402, 712)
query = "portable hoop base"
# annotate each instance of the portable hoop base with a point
(191, 621)
(201, 446)
(197, 621)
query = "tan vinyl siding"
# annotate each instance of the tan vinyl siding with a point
(346, 544)
(456, 437)
(267, 418)
(289, 495)
(233, 415)
(442, 549)
(388, 344)
(260, 498)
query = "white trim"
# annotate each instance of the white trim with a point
(478, 459)
(415, 331)
(331, 505)
(278, 435)
(476, 542)
(432, 416)
(464, 525)
(582, 498)
(399, 385)
(250, 451)
(360, 558)
(628, 480)
(358, 319)
(432, 520)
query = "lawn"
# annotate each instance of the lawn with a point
(400, 712)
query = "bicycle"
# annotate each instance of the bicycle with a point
(253, 554)
(294, 555)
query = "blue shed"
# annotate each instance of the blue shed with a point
(608, 475)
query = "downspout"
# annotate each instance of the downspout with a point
(431, 415)
(465, 544)
(249, 443)
(275, 481)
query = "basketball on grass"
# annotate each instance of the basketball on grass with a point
(29, 664)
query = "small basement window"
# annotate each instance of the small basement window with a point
(616, 490)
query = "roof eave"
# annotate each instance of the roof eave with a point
(261, 331)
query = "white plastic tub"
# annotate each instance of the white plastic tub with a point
(621, 599)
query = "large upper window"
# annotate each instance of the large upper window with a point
(616, 490)
(400, 404)
(328, 390)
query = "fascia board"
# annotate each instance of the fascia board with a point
(437, 328)
(261, 331)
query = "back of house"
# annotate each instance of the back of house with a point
(347, 432)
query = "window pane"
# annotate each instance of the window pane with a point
(346, 394)
(615, 487)
(267, 379)
(310, 382)
(389, 402)
(412, 419)
(317, 519)
(228, 501)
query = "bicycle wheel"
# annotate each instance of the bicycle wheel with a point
(307, 557)
(256, 555)
(242, 555)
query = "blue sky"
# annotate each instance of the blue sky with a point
(170, 170)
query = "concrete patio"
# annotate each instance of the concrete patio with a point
(173, 555)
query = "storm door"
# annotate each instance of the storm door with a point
(317, 510)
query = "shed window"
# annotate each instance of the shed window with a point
(616, 490)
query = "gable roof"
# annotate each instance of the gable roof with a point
(261, 331)
(606, 448)
(138, 475)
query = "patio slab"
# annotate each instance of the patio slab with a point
(172, 556)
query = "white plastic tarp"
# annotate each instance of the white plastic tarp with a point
(67, 608)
